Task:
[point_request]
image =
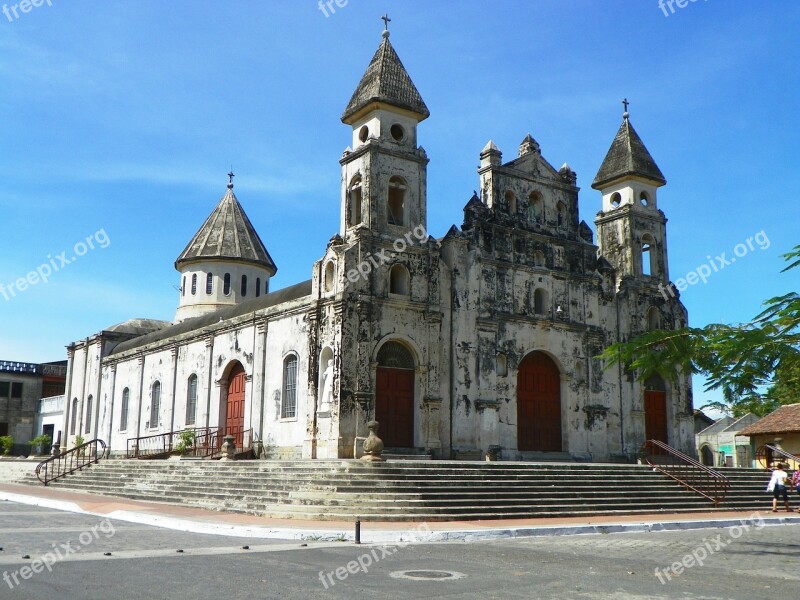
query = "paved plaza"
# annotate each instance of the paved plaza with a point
(87, 557)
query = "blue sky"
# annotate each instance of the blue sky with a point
(119, 121)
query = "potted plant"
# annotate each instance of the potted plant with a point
(6, 441)
(185, 442)
(78, 441)
(41, 444)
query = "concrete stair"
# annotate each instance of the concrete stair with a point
(408, 490)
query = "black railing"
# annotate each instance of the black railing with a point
(686, 471)
(205, 442)
(69, 461)
(769, 454)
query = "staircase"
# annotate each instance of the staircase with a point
(409, 490)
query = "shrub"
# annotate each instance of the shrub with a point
(6, 441)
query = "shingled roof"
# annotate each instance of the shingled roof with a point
(786, 419)
(227, 234)
(627, 157)
(386, 80)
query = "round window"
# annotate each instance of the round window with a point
(363, 133)
(397, 133)
(616, 199)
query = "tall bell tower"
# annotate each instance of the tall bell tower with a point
(384, 171)
(631, 229)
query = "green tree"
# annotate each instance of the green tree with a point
(755, 365)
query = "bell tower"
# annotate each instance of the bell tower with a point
(384, 171)
(631, 229)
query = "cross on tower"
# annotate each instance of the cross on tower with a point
(230, 179)
(386, 21)
(625, 103)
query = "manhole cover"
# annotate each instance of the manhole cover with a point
(428, 575)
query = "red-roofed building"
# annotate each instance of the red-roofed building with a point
(781, 426)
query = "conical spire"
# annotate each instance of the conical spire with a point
(627, 157)
(227, 234)
(386, 81)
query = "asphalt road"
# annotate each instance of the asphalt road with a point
(71, 554)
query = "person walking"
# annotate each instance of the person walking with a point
(777, 485)
(796, 480)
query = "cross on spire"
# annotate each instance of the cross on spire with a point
(386, 21)
(230, 179)
(625, 103)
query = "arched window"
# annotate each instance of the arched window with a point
(73, 417)
(289, 398)
(653, 319)
(183, 286)
(88, 426)
(155, 404)
(616, 199)
(538, 258)
(194, 284)
(258, 286)
(395, 356)
(535, 207)
(354, 195)
(396, 202)
(540, 301)
(244, 285)
(209, 283)
(648, 256)
(562, 214)
(191, 400)
(399, 280)
(226, 284)
(329, 277)
(123, 411)
(511, 203)
(644, 199)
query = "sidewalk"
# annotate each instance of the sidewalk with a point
(199, 520)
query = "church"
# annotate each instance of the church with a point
(484, 338)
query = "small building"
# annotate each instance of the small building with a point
(779, 428)
(722, 444)
(22, 385)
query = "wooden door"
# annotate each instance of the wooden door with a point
(655, 415)
(394, 406)
(538, 404)
(234, 414)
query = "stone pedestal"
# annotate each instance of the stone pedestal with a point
(373, 445)
(228, 448)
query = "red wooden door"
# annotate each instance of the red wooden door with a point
(538, 404)
(234, 414)
(394, 406)
(655, 415)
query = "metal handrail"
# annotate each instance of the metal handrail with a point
(686, 471)
(207, 442)
(767, 452)
(69, 461)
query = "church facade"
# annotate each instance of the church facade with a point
(486, 337)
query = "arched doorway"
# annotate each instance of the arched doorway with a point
(706, 456)
(538, 404)
(655, 409)
(394, 396)
(234, 412)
